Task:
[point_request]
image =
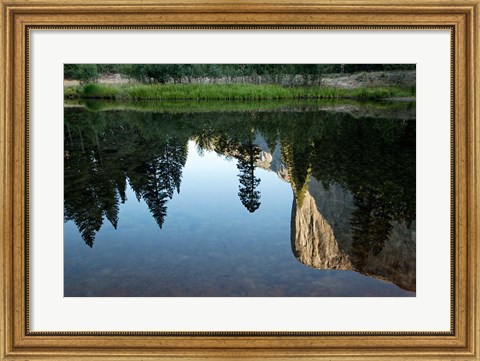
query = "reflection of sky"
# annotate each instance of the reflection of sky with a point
(210, 244)
(209, 193)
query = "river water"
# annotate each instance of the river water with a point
(287, 201)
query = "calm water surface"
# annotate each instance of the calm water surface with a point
(292, 202)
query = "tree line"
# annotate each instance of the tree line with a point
(162, 73)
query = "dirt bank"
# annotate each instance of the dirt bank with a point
(403, 79)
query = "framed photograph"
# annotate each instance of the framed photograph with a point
(229, 179)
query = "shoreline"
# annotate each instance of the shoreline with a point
(231, 92)
(358, 109)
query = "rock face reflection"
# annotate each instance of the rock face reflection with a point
(313, 239)
(323, 237)
(325, 240)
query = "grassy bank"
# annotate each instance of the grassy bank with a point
(226, 92)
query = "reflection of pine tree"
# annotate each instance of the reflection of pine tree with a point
(111, 208)
(248, 154)
(371, 155)
(89, 224)
(82, 205)
(371, 225)
(101, 155)
(270, 132)
(156, 179)
(204, 140)
(147, 185)
(297, 156)
(90, 186)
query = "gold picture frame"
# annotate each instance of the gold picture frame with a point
(19, 17)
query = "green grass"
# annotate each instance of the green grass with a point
(137, 92)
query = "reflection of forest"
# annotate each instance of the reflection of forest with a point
(371, 159)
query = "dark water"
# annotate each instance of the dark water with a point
(290, 202)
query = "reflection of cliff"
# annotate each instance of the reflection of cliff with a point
(313, 241)
(322, 237)
(335, 229)
(397, 259)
